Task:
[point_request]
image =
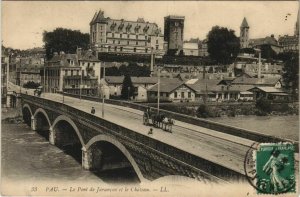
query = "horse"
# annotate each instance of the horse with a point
(157, 119)
(168, 122)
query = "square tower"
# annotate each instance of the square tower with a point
(173, 34)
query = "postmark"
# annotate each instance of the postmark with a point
(269, 167)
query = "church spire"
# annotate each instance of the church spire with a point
(244, 34)
(244, 23)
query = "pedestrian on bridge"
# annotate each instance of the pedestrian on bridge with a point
(93, 110)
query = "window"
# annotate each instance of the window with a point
(161, 94)
(145, 43)
(175, 94)
(146, 50)
(137, 43)
(156, 41)
(71, 72)
(127, 35)
(121, 49)
(120, 35)
(119, 42)
(113, 41)
(108, 48)
(113, 35)
(137, 36)
(189, 94)
(145, 37)
(134, 49)
(100, 27)
(182, 94)
(101, 33)
(127, 42)
(115, 48)
(156, 47)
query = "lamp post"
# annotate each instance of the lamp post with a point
(80, 85)
(158, 89)
(103, 91)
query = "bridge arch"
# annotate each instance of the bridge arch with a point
(40, 110)
(28, 107)
(120, 147)
(27, 114)
(71, 122)
(42, 122)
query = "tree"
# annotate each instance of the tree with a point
(133, 69)
(223, 46)
(31, 85)
(127, 88)
(291, 72)
(66, 40)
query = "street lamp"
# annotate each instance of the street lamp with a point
(102, 90)
(158, 89)
(80, 86)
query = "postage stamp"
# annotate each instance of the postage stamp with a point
(274, 166)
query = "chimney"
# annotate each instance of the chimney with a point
(259, 66)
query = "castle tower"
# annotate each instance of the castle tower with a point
(98, 27)
(244, 34)
(173, 34)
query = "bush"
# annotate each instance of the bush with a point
(264, 105)
(202, 111)
(31, 85)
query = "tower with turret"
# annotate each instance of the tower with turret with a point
(244, 34)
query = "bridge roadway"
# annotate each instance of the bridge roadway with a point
(223, 149)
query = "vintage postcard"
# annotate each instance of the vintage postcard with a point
(150, 98)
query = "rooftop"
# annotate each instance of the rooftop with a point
(125, 26)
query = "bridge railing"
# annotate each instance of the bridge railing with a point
(220, 127)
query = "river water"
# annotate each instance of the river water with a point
(28, 156)
(282, 126)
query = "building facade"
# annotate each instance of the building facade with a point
(203, 48)
(191, 48)
(28, 70)
(244, 34)
(72, 73)
(173, 32)
(122, 36)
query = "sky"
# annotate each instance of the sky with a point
(23, 23)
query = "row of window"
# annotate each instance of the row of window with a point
(128, 42)
(175, 94)
(121, 49)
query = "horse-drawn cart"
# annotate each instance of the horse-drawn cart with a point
(158, 120)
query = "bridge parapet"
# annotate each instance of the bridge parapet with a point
(220, 127)
(153, 158)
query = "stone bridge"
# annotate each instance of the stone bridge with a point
(103, 145)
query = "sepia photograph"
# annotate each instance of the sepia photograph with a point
(150, 98)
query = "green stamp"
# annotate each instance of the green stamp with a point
(275, 168)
